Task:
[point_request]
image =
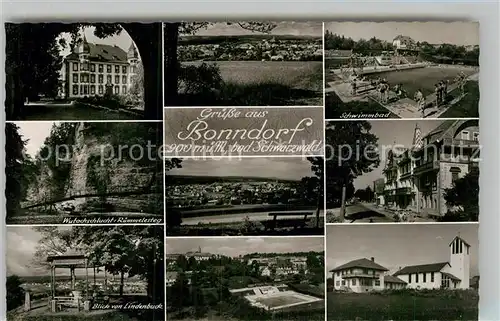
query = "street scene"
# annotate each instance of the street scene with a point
(402, 69)
(84, 173)
(82, 71)
(244, 63)
(85, 272)
(248, 278)
(403, 171)
(244, 196)
(417, 272)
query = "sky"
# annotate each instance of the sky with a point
(295, 28)
(289, 168)
(21, 247)
(434, 32)
(392, 133)
(35, 134)
(398, 245)
(233, 247)
(121, 40)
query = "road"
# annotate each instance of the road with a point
(364, 213)
(234, 218)
(48, 110)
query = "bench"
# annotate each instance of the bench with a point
(289, 222)
(68, 302)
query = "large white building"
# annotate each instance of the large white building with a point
(365, 275)
(98, 69)
(416, 178)
(453, 274)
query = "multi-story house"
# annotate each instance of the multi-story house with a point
(416, 178)
(98, 69)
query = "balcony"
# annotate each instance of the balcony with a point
(404, 191)
(460, 142)
(426, 167)
(361, 275)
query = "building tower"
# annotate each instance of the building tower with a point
(83, 55)
(460, 261)
(133, 61)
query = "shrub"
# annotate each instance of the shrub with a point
(15, 293)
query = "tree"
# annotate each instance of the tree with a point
(171, 39)
(180, 291)
(15, 293)
(352, 150)
(318, 168)
(463, 196)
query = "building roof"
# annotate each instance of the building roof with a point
(451, 276)
(461, 239)
(104, 53)
(403, 38)
(447, 129)
(424, 268)
(361, 263)
(132, 52)
(393, 279)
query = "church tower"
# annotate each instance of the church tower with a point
(133, 61)
(460, 261)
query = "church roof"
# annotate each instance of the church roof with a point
(393, 279)
(423, 268)
(132, 52)
(461, 239)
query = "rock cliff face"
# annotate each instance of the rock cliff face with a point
(102, 164)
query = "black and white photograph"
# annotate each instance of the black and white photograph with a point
(401, 69)
(244, 196)
(385, 171)
(246, 278)
(83, 71)
(243, 63)
(84, 173)
(402, 272)
(85, 273)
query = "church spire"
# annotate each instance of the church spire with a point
(417, 138)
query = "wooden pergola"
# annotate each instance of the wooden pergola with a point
(71, 261)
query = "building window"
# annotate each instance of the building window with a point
(75, 78)
(101, 79)
(85, 66)
(85, 90)
(108, 79)
(108, 68)
(124, 69)
(92, 79)
(432, 276)
(117, 90)
(117, 79)
(475, 136)
(75, 89)
(416, 277)
(75, 66)
(337, 283)
(124, 89)
(101, 67)
(445, 281)
(465, 135)
(343, 282)
(82, 79)
(101, 89)
(124, 79)
(409, 278)
(92, 90)
(117, 69)
(81, 89)
(353, 282)
(424, 277)
(92, 67)
(377, 282)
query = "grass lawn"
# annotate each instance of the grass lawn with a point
(264, 83)
(428, 305)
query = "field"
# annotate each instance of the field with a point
(269, 82)
(405, 305)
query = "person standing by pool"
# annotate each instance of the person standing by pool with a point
(353, 86)
(437, 92)
(419, 98)
(445, 88)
